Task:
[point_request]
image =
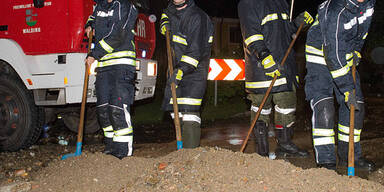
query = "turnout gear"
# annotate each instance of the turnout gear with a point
(115, 51)
(261, 133)
(339, 30)
(285, 147)
(191, 35)
(266, 30)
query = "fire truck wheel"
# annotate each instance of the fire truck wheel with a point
(20, 119)
(71, 120)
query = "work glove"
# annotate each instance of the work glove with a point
(271, 68)
(176, 77)
(350, 99)
(304, 17)
(356, 57)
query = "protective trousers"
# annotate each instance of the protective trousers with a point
(190, 128)
(285, 107)
(320, 90)
(115, 94)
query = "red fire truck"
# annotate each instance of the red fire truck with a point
(42, 52)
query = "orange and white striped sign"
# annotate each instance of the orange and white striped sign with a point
(226, 69)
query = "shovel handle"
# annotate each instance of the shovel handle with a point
(176, 119)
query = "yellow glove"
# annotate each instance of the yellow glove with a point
(270, 66)
(273, 73)
(308, 19)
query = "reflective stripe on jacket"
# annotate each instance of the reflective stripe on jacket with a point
(265, 26)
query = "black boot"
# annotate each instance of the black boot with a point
(360, 163)
(108, 146)
(330, 166)
(261, 134)
(285, 147)
(123, 149)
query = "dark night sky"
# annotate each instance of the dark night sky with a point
(228, 8)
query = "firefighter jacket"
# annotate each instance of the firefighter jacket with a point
(337, 36)
(114, 40)
(191, 32)
(266, 27)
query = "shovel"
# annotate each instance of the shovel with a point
(82, 111)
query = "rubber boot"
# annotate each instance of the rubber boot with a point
(285, 147)
(123, 149)
(108, 146)
(191, 133)
(261, 134)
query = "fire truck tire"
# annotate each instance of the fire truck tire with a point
(20, 119)
(71, 120)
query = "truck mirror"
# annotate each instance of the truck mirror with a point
(38, 3)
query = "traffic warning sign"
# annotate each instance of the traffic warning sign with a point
(226, 69)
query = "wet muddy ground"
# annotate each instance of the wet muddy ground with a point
(156, 141)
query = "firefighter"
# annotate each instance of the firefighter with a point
(113, 22)
(333, 45)
(191, 38)
(267, 33)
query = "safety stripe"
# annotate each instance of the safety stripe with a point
(349, 56)
(345, 138)
(210, 40)
(119, 55)
(269, 17)
(179, 39)
(297, 79)
(323, 141)
(323, 132)
(125, 138)
(124, 131)
(284, 16)
(365, 36)
(265, 84)
(313, 50)
(263, 111)
(253, 38)
(350, 24)
(105, 46)
(187, 101)
(117, 61)
(90, 18)
(342, 71)
(109, 134)
(173, 115)
(189, 117)
(315, 59)
(164, 16)
(109, 128)
(284, 111)
(189, 60)
(345, 130)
